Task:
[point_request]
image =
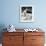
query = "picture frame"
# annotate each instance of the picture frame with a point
(26, 13)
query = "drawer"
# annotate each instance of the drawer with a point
(37, 44)
(12, 44)
(12, 39)
(27, 37)
(9, 45)
(37, 39)
(13, 33)
(34, 33)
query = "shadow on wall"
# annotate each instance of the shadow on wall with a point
(2, 26)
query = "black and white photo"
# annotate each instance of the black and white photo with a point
(26, 13)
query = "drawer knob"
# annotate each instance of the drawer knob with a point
(11, 38)
(33, 39)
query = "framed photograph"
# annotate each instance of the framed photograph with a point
(26, 13)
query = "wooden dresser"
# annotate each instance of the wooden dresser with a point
(23, 38)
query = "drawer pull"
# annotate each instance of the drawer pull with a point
(10, 38)
(33, 39)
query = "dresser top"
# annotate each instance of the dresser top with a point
(22, 30)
